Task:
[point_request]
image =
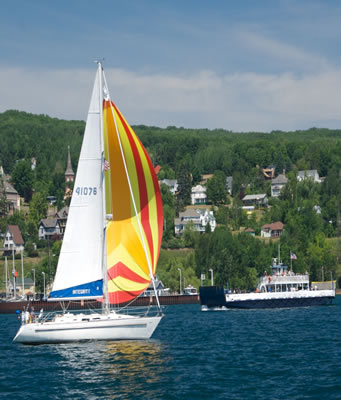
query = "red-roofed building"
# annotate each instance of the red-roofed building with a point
(272, 230)
(13, 239)
(250, 231)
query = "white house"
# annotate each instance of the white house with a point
(13, 239)
(198, 218)
(309, 174)
(172, 184)
(49, 228)
(198, 195)
(277, 184)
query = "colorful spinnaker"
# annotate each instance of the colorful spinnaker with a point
(133, 198)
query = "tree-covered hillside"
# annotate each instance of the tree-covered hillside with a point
(185, 155)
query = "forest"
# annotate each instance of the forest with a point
(185, 155)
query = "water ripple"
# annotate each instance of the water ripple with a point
(277, 354)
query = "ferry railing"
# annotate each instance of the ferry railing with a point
(284, 279)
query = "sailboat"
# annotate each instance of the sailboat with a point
(112, 238)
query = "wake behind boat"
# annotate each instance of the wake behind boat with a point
(112, 237)
(281, 289)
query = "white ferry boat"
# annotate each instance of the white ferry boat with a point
(281, 289)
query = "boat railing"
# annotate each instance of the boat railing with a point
(28, 317)
(284, 279)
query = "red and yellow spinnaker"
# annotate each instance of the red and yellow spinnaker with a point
(127, 252)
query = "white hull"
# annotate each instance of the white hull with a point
(80, 327)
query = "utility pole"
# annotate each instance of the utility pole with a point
(179, 269)
(211, 270)
(34, 282)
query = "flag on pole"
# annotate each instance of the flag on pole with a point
(106, 165)
(293, 256)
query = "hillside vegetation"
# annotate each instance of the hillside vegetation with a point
(185, 155)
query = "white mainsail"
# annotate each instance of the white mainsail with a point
(79, 272)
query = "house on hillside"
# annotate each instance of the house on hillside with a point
(250, 231)
(198, 218)
(61, 216)
(309, 174)
(13, 240)
(277, 184)
(159, 286)
(255, 200)
(198, 195)
(12, 196)
(272, 230)
(269, 172)
(49, 229)
(172, 184)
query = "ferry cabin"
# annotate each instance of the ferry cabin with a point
(283, 280)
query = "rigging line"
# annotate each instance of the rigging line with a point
(132, 196)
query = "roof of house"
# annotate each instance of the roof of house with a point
(157, 169)
(9, 188)
(249, 230)
(15, 232)
(310, 172)
(276, 226)
(63, 213)
(49, 222)
(189, 212)
(254, 196)
(198, 189)
(281, 178)
(170, 182)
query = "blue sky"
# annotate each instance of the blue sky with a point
(239, 65)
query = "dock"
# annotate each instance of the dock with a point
(11, 307)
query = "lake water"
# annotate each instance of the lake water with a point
(246, 354)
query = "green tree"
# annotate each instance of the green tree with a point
(22, 178)
(38, 208)
(184, 184)
(216, 188)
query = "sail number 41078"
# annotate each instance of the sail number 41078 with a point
(86, 191)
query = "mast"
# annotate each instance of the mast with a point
(104, 251)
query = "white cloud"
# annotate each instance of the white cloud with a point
(239, 102)
(282, 52)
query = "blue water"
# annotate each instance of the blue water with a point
(246, 354)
